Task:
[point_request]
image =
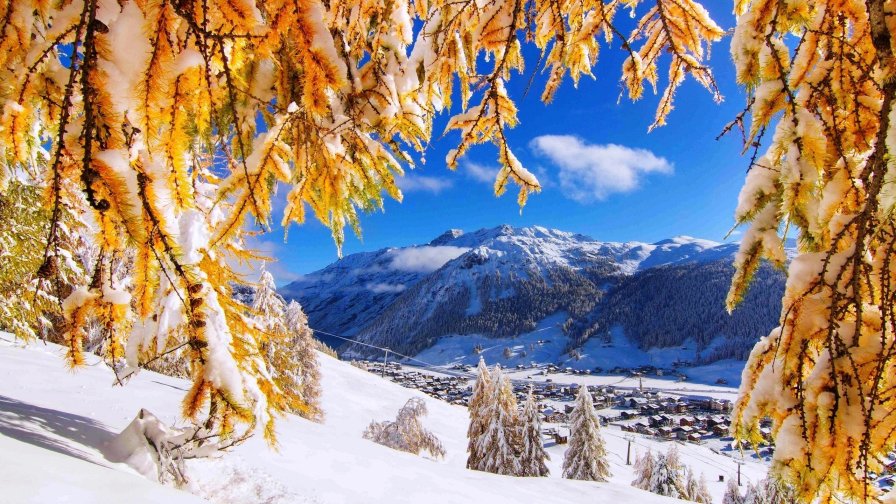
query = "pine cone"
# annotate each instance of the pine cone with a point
(197, 344)
(49, 268)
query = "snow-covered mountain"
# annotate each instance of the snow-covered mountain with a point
(504, 281)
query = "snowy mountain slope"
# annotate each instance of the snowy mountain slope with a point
(685, 300)
(504, 281)
(547, 343)
(685, 249)
(344, 296)
(53, 424)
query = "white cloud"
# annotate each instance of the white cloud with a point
(379, 287)
(480, 172)
(591, 172)
(421, 183)
(424, 259)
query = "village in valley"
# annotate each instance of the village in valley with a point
(646, 402)
(696, 415)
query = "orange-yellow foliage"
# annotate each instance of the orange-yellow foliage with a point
(171, 123)
(820, 77)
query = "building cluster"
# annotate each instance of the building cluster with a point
(451, 389)
(652, 413)
(687, 418)
(693, 428)
(646, 370)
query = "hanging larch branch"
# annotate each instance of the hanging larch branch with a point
(820, 79)
(169, 125)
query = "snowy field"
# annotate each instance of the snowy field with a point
(666, 386)
(545, 345)
(54, 424)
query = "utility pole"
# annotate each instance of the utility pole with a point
(385, 360)
(739, 463)
(628, 452)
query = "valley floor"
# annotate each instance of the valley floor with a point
(54, 424)
(547, 344)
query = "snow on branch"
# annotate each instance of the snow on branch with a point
(170, 126)
(158, 451)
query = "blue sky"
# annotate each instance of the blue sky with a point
(674, 180)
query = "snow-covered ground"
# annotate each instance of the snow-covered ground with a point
(40, 467)
(54, 424)
(666, 386)
(546, 344)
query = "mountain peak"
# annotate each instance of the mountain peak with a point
(688, 240)
(392, 294)
(537, 232)
(447, 236)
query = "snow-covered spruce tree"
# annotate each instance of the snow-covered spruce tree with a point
(645, 463)
(695, 489)
(665, 475)
(324, 348)
(478, 421)
(499, 442)
(269, 308)
(821, 83)
(732, 493)
(757, 494)
(308, 370)
(769, 491)
(406, 433)
(586, 456)
(172, 124)
(668, 476)
(279, 348)
(532, 454)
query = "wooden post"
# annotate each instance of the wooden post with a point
(628, 452)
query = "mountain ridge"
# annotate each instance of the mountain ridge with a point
(502, 281)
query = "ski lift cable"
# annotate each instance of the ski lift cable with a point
(424, 364)
(408, 357)
(451, 372)
(442, 369)
(445, 369)
(435, 367)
